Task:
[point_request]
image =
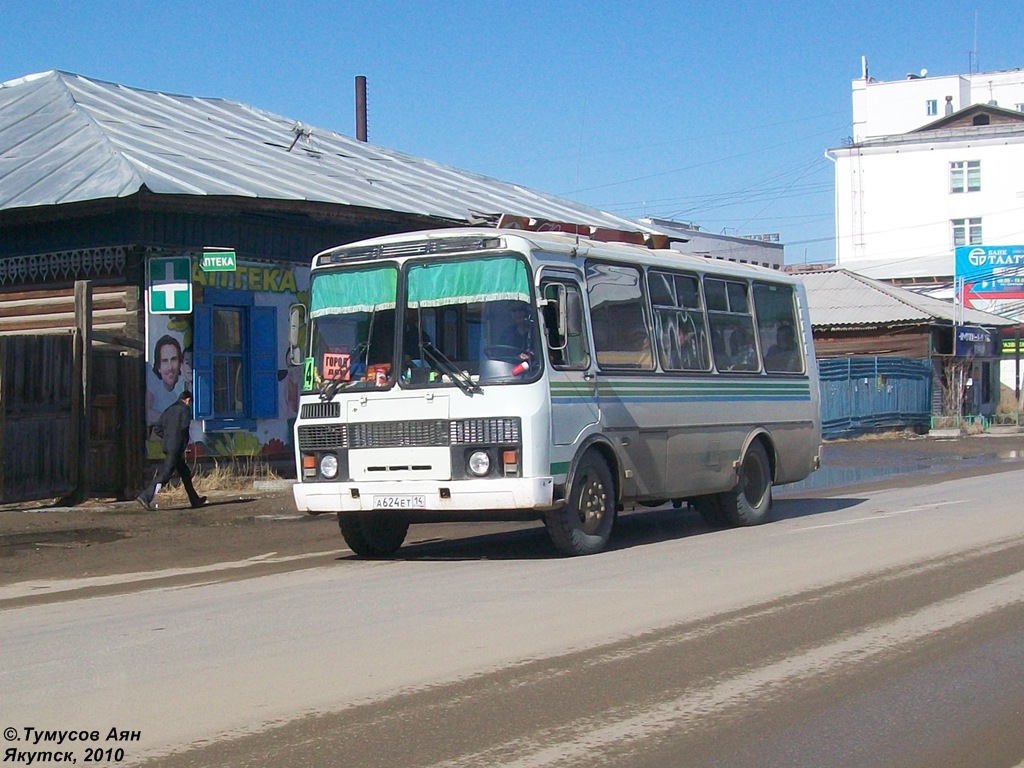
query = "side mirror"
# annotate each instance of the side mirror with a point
(554, 311)
(571, 316)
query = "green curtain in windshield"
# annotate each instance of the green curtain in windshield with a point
(340, 293)
(460, 282)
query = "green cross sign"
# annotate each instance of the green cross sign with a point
(170, 286)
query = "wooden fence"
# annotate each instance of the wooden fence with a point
(38, 426)
(872, 394)
(50, 445)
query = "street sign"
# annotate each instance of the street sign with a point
(218, 261)
(170, 286)
(974, 341)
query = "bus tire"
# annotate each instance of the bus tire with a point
(750, 500)
(584, 525)
(372, 535)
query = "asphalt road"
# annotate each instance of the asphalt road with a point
(880, 625)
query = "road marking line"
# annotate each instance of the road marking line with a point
(56, 586)
(878, 516)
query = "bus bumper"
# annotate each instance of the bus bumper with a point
(493, 494)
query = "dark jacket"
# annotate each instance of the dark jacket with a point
(173, 426)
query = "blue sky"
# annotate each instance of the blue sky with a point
(716, 113)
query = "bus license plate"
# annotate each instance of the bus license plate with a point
(400, 501)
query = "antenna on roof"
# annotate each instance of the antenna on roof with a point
(301, 132)
(579, 160)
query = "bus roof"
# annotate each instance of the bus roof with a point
(563, 243)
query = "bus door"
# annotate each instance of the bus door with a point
(574, 404)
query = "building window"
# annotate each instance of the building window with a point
(229, 374)
(966, 232)
(965, 176)
(932, 107)
(234, 360)
(1019, 107)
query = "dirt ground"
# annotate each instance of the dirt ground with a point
(103, 537)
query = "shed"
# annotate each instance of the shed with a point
(856, 316)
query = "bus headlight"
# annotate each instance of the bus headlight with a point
(329, 466)
(479, 463)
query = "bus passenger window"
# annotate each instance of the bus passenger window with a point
(679, 321)
(775, 308)
(732, 326)
(617, 312)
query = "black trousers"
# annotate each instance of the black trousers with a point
(174, 461)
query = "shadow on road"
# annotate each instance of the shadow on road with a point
(529, 541)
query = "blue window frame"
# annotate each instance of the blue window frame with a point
(234, 351)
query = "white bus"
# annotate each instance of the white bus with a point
(482, 374)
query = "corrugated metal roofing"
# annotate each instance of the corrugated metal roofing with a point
(838, 298)
(66, 138)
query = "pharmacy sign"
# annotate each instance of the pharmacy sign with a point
(170, 286)
(217, 260)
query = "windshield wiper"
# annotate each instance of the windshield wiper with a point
(330, 388)
(439, 360)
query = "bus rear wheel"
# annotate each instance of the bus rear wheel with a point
(584, 525)
(750, 500)
(372, 534)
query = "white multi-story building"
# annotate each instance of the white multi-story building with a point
(934, 162)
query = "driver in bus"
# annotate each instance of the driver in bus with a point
(518, 334)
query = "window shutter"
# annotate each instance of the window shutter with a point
(263, 346)
(202, 361)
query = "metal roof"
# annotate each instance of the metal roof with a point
(66, 138)
(839, 298)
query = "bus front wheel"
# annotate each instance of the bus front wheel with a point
(372, 535)
(584, 525)
(750, 500)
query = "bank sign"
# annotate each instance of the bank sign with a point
(991, 271)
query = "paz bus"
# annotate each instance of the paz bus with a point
(499, 374)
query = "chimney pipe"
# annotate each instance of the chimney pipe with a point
(361, 107)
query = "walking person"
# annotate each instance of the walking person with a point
(173, 427)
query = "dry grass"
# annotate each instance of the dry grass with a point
(234, 476)
(892, 434)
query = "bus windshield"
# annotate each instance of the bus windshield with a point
(465, 323)
(352, 325)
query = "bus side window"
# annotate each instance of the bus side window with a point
(618, 315)
(679, 321)
(732, 325)
(777, 325)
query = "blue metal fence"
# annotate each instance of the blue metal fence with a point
(868, 394)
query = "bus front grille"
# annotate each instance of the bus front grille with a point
(330, 410)
(323, 437)
(428, 433)
(399, 434)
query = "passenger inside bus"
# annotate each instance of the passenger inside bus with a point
(743, 356)
(690, 355)
(783, 355)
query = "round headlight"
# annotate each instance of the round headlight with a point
(329, 465)
(479, 463)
